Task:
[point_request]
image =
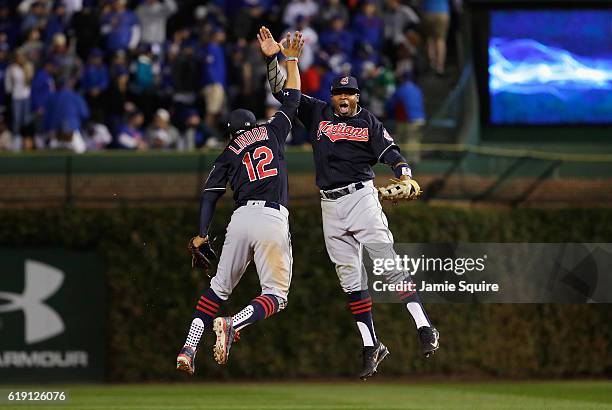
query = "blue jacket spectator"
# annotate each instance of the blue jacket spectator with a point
(129, 135)
(42, 86)
(406, 104)
(368, 27)
(214, 70)
(338, 38)
(58, 23)
(121, 28)
(95, 76)
(65, 111)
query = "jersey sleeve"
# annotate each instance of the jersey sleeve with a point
(307, 107)
(218, 176)
(381, 140)
(282, 121)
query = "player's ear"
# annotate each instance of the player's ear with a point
(357, 97)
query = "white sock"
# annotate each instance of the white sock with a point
(195, 333)
(240, 319)
(367, 337)
(418, 315)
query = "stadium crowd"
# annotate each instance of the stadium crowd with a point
(161, 74)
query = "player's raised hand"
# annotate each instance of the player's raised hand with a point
(294, 46)
(269, 47)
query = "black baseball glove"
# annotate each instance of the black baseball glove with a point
(201, 256)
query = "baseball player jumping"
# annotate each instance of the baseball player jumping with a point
(347, 140)
(254, 164)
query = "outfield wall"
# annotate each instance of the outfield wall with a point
(149, 292)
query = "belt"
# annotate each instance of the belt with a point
(340, 192)
(266, 204)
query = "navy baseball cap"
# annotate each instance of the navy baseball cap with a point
(240, 119)
(345, 83)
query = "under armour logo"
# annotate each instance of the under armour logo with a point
(285, 93)
(344, 80)
(41, 282)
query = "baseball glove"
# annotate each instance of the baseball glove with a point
(201, 256)
(405, 189)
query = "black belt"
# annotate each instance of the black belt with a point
(267, 204)
(339, 193)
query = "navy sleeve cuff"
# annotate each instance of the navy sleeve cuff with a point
(207, 209)
(291, 95)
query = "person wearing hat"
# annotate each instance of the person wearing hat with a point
(254, 165)
(129, 135)
(162, 134)
(347, 140)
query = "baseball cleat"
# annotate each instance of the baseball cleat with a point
(430, 340)
(185, 362)
(372, 356)
(226, 335)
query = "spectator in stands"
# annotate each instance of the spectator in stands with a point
(326, 76)
(86, 27)
(75, 6)
(120, 26)
(68, 63)
(437, 20)
(65, 112)
(33, 48)
(43, 85)
(311, 41)
(129, 135)
(57, 23)
(176, 73)
(35, 17)
(378, 85)
(153, 16)
(94, 83)
(8, 24)
(214, 76)
(397, 19)
(6, 138)
(407, 56)
(161, 134)
(311, 79)
(331, 10)
(195, 134)
(117, 90)
(17, 82)
(96, 136)
(368, 26)
(337, 38)
(407, 108)
(240, 76)
(186, 74)
(146, 71)
(295, 8)
(249, 18)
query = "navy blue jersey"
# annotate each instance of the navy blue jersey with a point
(344, 148)
(254, 161)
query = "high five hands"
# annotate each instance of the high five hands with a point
(289, 46)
